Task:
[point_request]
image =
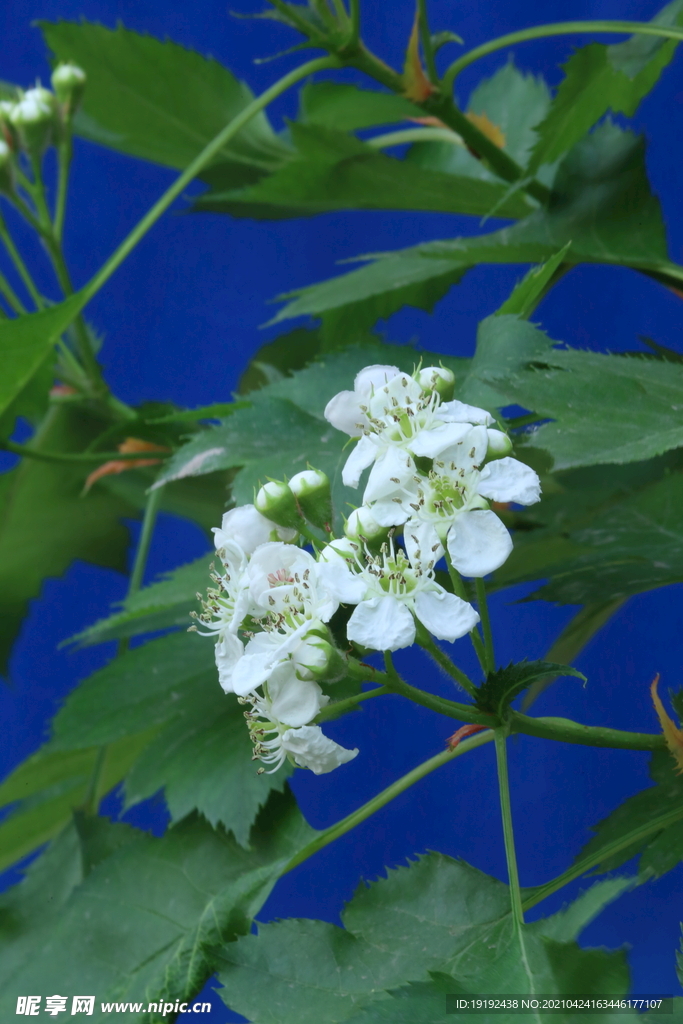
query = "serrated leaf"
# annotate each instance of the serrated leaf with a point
(501, 687)
(599, 78)
(528, 293)
(38, 494)
(160, 605)
(435, 917)
(660, 848)
(157, 910)
(334, 171)
(348, 108)
(159, 101)
(601, 203)
(49, 786)
(567, 924)
(201, 756)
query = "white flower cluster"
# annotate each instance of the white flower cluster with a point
(434, 464)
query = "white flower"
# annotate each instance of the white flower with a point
(451, 500)
(346, 411)
(288, 699)
(307, 747)
(287, 581)
(398, 591)
(34, 107)
(248, 528)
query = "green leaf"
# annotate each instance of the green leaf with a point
(32, 400)
(157, 910)
(335, 171)
(567, 924)
(280, 358)
(159, 101)
(50, 785)
(348, 108)
(599, 78)
(161, 605)
(660, 848)
(528, 293)
(436, 915)
(80, 526)
(202, 754)
(601, 203)
(25, 343)
(501, 687)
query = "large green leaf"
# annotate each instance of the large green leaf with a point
(335, 171)
(660, 846)
(201, 755)
(159, 101)
(50, 785)
(601, 203)
(435, 915)
(25, 343)
(146, 922)
(604, 408)
(600, 78)
(46, 522)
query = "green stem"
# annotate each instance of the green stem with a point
(34, 453)
(428, 644)
(91, 801)
(13, 300)
(354, 9)
(197, 165)
(567, 731)
(22, 270)
(508, 833)
(541, 892)
(449, 708)
(561, 28)
(39, 197)
(340, 707)
(400, 138)
(459, 591)
(386, 796)
(485, 624)
(64, 155)
(426, 40)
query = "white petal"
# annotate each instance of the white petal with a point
(337, 578)
(446, 616)
(293, 701)
(312, 749)
(229, 650)
(402, 389)
(393, 472)
(250, 672)
(470, 451)
(458, 412)
(247, 527)
(433, 441)
(362, 456)
(510, 480)
(371, 378)
(382, 623)
(391, 513)
(478, 543)
(344, 412)
(422, 543)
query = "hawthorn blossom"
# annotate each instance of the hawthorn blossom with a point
(248, 528)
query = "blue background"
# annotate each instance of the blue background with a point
(180, 320)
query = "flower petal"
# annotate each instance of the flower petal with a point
(340, 581)
(229, 650)
(459, 412)
(293, 701)
(373, 377)
(510, 480)
(344, 412)
(433, 441)
(312, 749)
(478, 543)
(422, 543)
(362, 456)
(393, 473)
(446, 616)
(382, 624)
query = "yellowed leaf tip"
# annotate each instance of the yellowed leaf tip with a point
(486, 126)
(417, 86)
(672, 734)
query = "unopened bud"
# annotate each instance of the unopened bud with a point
(276, 502)
(312, 490)
(362, 526)
(6, 168)
(439, 379)
(68, 82)
(499, 445)
(318, 659)
(34, 117)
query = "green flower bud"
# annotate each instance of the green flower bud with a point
(316, 658)
(314, 494)
(68, 82)
(361, 526)
(276, 502)
(439, 379)
(35, 119)
(499, 445)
